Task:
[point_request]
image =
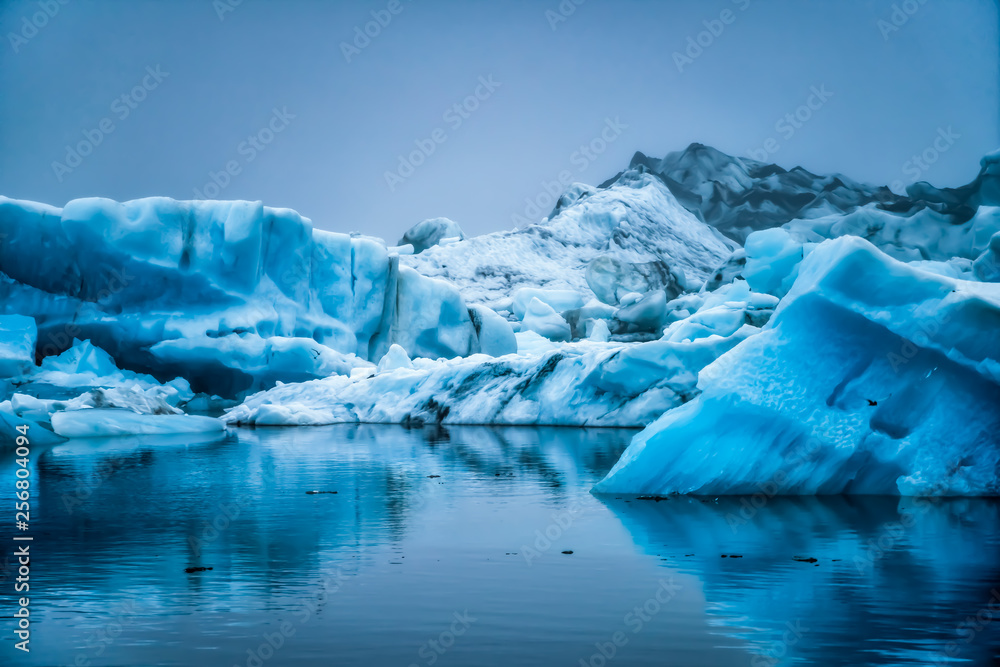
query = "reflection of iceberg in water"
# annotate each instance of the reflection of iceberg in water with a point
(902, 575)
(237, 502)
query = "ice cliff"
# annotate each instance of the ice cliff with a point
(872, 377)
(232, 296)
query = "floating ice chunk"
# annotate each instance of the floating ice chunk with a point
(435, 231)
(247, 362)
(134, 397)
(611, 278)
(583, 383)
(543, 320)
(431, 319)
(395, 358)
(18, 335)
(722, 320)
(987, 266)
(646, 313)
(600, 332)
(532, 344)
(10, 422)
(85, 366)
(36, 409)
(99, 423)
(772, 261)
(558, 300)
(873, 377)
(496, 337)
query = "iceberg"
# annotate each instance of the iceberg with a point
(85, 367)
(543, 320)
(872, 377)
(757, 321)
(632, 227)
(102, 423)
(162, 285)
(739, 196)
(587, 383)
(432, 232)
(82, 380)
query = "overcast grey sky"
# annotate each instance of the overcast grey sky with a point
(309, 113)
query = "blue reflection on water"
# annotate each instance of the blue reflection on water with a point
(444, 546)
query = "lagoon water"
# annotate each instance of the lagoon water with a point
(445, 547)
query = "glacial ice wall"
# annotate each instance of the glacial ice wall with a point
(219, 281)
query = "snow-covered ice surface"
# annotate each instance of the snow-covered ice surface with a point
(103, 423)
(873, 377)
(577, 384)
(634, 220)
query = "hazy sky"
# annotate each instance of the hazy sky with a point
(309, 115)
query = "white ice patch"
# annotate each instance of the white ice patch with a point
(578, 384)
(543, 320)
(102, 423)
(635, 221)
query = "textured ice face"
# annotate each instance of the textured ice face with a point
(587, 383)
(873, 377)
(987, 266)
(431, 232)
(195, 288)
(17, 344)
(867, 368)
(643, 238)
(104, 423)
(738, 196)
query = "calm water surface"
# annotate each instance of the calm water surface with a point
(445, 547)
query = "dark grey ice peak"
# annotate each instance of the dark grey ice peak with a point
(738, 196)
